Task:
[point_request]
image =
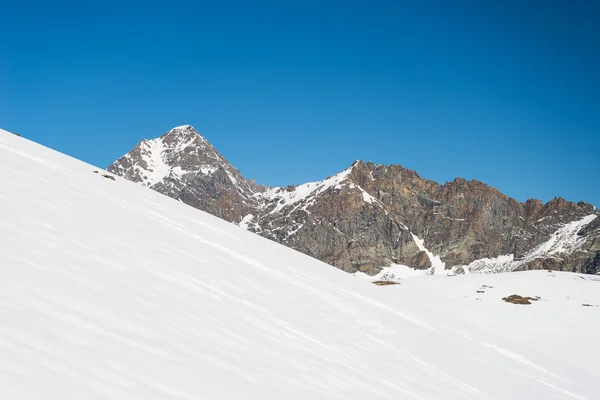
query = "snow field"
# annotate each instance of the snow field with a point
(112, 291)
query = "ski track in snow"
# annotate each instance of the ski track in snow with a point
(113, 291)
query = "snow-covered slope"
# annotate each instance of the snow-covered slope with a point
(112, 291)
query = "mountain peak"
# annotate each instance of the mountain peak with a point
(182, 130)
(182, 127)
(179, 150)
(182, 164)
(182, 134)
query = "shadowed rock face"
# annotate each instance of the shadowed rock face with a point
(370, 216)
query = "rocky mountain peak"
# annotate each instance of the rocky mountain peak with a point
(178, 152)
(182, 130)
(182, 164)
(179, 138)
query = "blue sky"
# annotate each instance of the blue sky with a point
(505, 92)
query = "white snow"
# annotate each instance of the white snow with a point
(292, 230)
(503, 263)
(557, 325)
(157, 169)
(247, 222)
(110, 290)
(208, 169)
(395, 273)
(304, 195)
(244, 222)
(367, 197)
(204, 169)
(564, 240)
(437, 265)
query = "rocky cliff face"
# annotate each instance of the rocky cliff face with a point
(370, 217)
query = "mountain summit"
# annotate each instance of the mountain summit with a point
(370, 218)
(184, 165)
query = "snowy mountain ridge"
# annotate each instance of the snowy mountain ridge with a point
(276, 199)
(370, 217)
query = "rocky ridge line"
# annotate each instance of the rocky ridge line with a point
(371, 217)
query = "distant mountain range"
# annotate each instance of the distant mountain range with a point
(371, 217)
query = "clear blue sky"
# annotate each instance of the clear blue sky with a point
(507, 92)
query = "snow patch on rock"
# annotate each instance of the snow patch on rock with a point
(437, 265)
(301, 193)
(248, 223)
(565, 240)
(152, 155)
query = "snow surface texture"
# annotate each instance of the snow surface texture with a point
(110, 290)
